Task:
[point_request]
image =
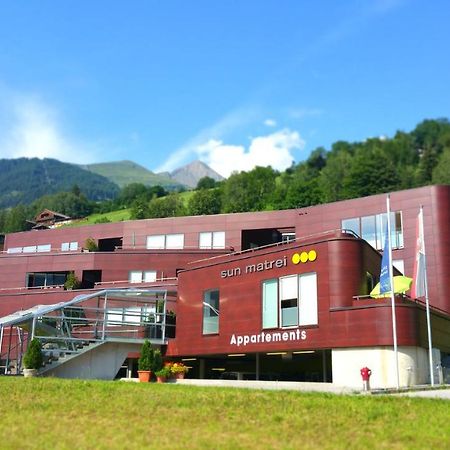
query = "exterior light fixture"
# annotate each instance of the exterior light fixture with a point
(276, 353)
(303, 351)
(218, 369)
(188, 359)
(236, 354)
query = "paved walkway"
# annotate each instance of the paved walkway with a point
(430, 393)
(419, 391)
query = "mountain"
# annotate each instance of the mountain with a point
(127, 172)
(191, 173)
(23, 180)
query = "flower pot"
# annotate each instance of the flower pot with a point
(179, 376)
(144, 376)
(160, 379)
(30, 373)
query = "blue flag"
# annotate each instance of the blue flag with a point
(385, 278)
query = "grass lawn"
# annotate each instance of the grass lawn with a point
(112, 216)
(72, 414)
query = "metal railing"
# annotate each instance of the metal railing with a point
(119, 315)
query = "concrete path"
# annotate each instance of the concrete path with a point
(272, 385)
(429, 393)
(310, 387)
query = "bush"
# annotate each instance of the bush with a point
(33, 358)
(163, 373)
(91, 245)
(147, 357)
(72, 282)
(157, 361)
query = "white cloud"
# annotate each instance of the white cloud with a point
(32, 129)
(231, 122)
(272, 150)
(270, 123)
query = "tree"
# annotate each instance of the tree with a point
(441, 173)
(206, 183)
(131, 192)
(16, 219)
(331, 178)
(139, 208)
(249, 191)
(204, 202)
(169, 206)
(371, 173)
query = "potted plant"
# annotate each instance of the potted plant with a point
(146, 361)
(33, 358)
(157, 361)
(162, 374)
(178, 370)
(90, 245)
(72, 282)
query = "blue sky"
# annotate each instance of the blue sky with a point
(233, 83)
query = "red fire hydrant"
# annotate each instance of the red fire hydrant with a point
(365, 374)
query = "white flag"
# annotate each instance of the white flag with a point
(418, 286)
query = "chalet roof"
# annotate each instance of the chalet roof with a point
(49, 214)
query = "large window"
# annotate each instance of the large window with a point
(211, 312)
(141, 276)
(290, 301)
(165, 241)
(373, 228)
(212, 239)
(69, 246)
(43, 279)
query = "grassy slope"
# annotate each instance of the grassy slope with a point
(119, 215)
(126, 172)
(52, 413)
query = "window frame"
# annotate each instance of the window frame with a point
(211, 308)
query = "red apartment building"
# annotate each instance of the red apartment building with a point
(279, 295)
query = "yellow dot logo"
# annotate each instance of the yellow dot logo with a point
(304, 257)
(295, 258)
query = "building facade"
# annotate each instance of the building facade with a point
(279, 295)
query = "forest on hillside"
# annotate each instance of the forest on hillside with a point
(346, 170)
(23, 180)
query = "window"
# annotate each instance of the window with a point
(30, 249)
(122, 316)
(174, 241)
(211, 312)
(149, 276)
(43, 279)
(44, 248)
(290, 301)
(372, 229)
(15, 250)
(156, 242)
(212, 239)
(69, 246)
(165, 241)
(139, 276)
(270, 304)
(399, 264)
(352, 225)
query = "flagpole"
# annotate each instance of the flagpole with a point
(391, 277)
(427, 303)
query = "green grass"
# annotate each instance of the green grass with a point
(112, 216)
(73, 414)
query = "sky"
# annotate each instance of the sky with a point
(233, 83)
